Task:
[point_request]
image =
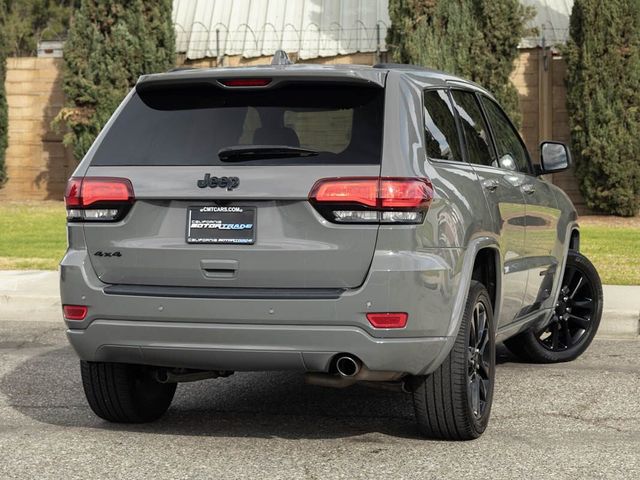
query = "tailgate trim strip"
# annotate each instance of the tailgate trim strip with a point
(225, 292)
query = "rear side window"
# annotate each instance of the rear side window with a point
(512, 153)
(441, 133)
(189, 125)
(476, 132)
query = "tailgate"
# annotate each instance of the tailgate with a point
(201, 220)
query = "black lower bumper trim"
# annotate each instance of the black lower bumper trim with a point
(225, 292)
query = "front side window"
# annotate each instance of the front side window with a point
(441, 134)
(476, 132)
(512, 154)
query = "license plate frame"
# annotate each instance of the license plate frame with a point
(221, 225)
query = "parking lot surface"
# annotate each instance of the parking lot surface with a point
(576, 420)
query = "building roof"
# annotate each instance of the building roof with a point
(253, 28)
(551, 21)
(314, 28)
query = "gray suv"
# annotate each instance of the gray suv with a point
(381, 225)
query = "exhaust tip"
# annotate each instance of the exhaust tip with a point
(161, 375)
(348, 366)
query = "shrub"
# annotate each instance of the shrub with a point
(603, 99)
(28, 21)
(110, 44)
(4, 119)
(476, 39)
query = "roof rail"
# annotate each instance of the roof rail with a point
(392, 65)
(403, 66)
(180, 69)
(419, 68)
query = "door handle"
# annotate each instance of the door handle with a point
(490, 184)
(528, 188)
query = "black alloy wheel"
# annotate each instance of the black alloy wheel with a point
(575, 309)
(479, 373)
(575, 318)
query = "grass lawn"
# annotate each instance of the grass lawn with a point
(613, 245)
(33, 236)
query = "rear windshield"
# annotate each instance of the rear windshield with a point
(189, 126)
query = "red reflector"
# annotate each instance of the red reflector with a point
(384, 193)
(74, 312)
(82, 192)
(388, 320)
(246, 82)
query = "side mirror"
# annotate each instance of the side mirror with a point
(554, 157)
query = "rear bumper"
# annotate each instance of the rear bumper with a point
(274, 333)
(248, 347)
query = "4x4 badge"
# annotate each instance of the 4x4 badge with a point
(223, 182)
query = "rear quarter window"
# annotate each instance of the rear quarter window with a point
(442, 141)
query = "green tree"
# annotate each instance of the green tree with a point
(603, 99)
(110, 44)
(28, 21)
(476, 39)
(3, 98)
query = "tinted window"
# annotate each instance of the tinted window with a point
(440, 130)
(475, 129)
(188, 126)
(512, 154)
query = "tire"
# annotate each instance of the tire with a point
(444, 401)
(579, 305)
(123, 393)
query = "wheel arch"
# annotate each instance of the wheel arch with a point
(481, 252)
(486, 266)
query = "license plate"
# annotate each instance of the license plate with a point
(212, 224)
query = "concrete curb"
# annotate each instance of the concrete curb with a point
(621, 315)
(619, 324)
(33, 295)
(30, 295)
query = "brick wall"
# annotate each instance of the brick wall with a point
(561, 132)
(525, 78)
(38, 164)
(542, 95)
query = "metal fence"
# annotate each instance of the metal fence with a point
(217, 41)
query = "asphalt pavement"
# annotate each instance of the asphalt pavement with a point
(578, 420)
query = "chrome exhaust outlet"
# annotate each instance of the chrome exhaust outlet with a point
(348, 366)
(346, 370)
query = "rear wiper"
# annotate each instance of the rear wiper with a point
(240, 153)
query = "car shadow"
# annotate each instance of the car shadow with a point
(47, 388)
(503, 355)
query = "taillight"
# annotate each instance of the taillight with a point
(372, 199)
(98, 199)
(388, 319)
